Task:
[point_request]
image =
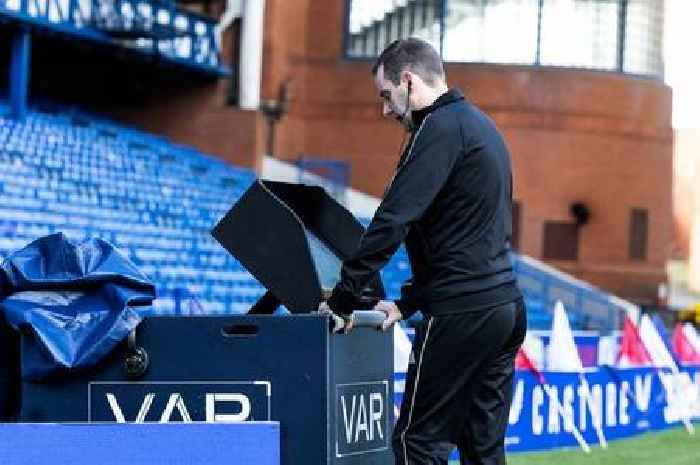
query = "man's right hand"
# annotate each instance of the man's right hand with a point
(391, 312)
(340, 322)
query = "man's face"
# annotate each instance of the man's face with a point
(394, 99)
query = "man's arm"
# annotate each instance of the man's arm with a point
(427, 167)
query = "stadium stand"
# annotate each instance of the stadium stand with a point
(156, 201)
(69, 171)
(588, 308)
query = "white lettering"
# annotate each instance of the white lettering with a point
(175, 401)
(568, 405)
(642, 392)
(376, 415)
(624, 403)
(537, 401)
(219, 397)
(583, 404)
(362, 420)
(597, 406)
(610, 404)
(348, 422)
(672, 412)
(119, 415)
(679, 396)
(553, 424)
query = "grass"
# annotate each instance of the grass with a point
(669, 447)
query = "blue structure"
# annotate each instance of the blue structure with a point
(629, 401)
(153, 29)
(19, 72)
(151, 443)
(588, 308)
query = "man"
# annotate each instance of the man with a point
(450, 201)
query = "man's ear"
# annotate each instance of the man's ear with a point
(407, 77)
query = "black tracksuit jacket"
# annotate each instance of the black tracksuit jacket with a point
(451, 202)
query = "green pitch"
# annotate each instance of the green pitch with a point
(671, 447)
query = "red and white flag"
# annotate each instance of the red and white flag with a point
(632, 352)
(531, 353)
(657, 350)
(684, 344)
(524, 362)
(562, 354)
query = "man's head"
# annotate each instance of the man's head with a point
(409, 76)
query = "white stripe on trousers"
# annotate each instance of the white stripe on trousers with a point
(415, 389)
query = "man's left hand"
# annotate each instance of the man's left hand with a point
(340, 322)
(392, 314)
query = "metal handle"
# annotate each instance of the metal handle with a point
(363, 318)
(369, 318)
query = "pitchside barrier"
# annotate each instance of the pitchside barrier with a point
(629, 401)
(149, 444)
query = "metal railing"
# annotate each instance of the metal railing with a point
(623, 36)
(588, 308)
(154, 27)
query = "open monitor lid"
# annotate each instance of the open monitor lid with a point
(292, 238)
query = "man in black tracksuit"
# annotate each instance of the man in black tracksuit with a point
(450, 202)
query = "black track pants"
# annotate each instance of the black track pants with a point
(459, 387)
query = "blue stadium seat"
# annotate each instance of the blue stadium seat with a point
(87, 176)
(90, 177)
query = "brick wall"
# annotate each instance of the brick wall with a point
(594, 137)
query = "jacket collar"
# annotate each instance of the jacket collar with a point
(452, 95)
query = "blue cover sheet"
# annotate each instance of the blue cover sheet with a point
(73, 303)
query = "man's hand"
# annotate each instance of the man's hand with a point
(391, 312)
(340, 322)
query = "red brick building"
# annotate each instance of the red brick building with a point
(600, 139)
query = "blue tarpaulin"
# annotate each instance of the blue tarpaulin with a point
(73, 303)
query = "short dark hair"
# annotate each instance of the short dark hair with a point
(411, 54)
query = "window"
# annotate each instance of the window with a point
(639, 223)
(613, 35)
(374, 24)
(580, 33)
(560, 241)
(474, 31)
